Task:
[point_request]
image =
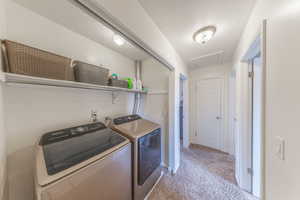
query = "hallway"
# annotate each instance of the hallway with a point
(204, 174)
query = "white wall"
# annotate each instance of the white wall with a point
(2, 129)
(222, 71)
(34, 110)
(282, 107)
(155, 104)
(264, 9)
(231, 110)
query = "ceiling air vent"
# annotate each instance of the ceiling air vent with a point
(207, 60)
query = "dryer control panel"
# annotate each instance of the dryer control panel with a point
(125, 119)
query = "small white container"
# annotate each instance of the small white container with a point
(134, 84)
(139, 85)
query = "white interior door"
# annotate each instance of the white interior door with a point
(209, 112)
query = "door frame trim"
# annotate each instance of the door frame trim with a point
(186, 137)
(260, 44)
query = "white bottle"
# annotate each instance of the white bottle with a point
(134, 84)
(139, 85)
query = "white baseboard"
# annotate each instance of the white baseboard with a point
(186, 143)
(170, 169)
(166, 166)
(174, 171)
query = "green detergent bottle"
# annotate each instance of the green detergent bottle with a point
(130, 83)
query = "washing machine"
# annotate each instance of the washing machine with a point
(85, 162)
(145, 137)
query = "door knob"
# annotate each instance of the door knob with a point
(218, 118)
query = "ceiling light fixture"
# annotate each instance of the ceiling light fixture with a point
(203, 35)
(119, 40)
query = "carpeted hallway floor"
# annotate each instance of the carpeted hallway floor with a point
(204, 174)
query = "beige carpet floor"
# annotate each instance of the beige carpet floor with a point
(204, 174)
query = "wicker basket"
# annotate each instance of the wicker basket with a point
(25, 60)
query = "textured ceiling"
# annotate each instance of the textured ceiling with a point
(180, 19)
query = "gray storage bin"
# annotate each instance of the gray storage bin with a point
(88, 73)
(118, 83)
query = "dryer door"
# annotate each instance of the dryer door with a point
(149, 155)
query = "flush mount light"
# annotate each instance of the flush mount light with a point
(204, 34)
(118, 40)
